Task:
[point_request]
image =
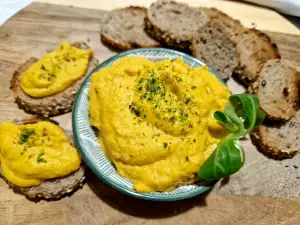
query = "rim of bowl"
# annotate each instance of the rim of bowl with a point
(84, 155)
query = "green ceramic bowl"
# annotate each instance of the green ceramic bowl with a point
(90, 150)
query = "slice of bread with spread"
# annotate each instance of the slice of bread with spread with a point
(174, 23)
(124, 29)
(278, 140)
(213, 44)
(277, 87)
(254, 48)
(51, 105)
(53, 188)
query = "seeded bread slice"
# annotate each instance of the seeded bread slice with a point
(53, 188)
(254, 48)
(174, 23)
(277, 87)
(278, 140)
(213, 45)
(51, 105)
(124, 29)
(233, 26)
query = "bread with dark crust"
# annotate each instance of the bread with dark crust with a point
(254, 48)
(277, 87)
(233, 26)
(124, 29)
(213, 45)
(51, 105)
(174, 23)
(52, 188)
(278, 140)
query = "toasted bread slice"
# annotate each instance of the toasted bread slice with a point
(254, 48)
(277, 87)
(233, 26)
(174, 23)
(51, 105)
(278, 140)
(53, 188)
(124, 29)
(213, 45)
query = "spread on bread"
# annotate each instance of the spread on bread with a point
(55, 71)
(32, 153)
(155, 119)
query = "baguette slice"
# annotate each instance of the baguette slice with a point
(233, 26)
(51, 105)
(278, 140)
(124, 29)
(174, 23)
(254, 48)
(53, 188)
(277, 87)
(213, 45)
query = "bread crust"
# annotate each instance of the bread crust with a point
(50, 105)
(110, 41)
(230, 43)
(52, 188)
(288, 112)
(244, 72)
(167, 38)
(257, 137)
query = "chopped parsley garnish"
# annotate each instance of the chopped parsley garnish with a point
(43, 68)
(165, 144)
(25, 134)
(187, 159)
(40, 159)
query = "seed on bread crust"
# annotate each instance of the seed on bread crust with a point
(51, 105)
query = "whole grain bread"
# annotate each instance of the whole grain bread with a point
(233, 26)
(278, 140)
(51, 105)
(213, 45)
(52, 188)
(174, 23)
(124, 29)
(254, 48)
(277, 87)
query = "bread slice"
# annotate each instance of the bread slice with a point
(213, 45)
(277, 87)
(233, 26)
(53, 188)
(124, 29)
(174, 23)
(51, 105)
(254, 48)
(278, 140)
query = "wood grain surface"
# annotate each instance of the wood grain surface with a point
(264, 192)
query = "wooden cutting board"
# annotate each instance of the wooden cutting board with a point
(263, 192)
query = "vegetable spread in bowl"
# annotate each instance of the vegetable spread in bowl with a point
(155, 120)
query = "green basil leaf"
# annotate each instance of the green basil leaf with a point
(227, 159)
(240, 116)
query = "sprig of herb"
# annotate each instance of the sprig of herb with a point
(240, 116)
